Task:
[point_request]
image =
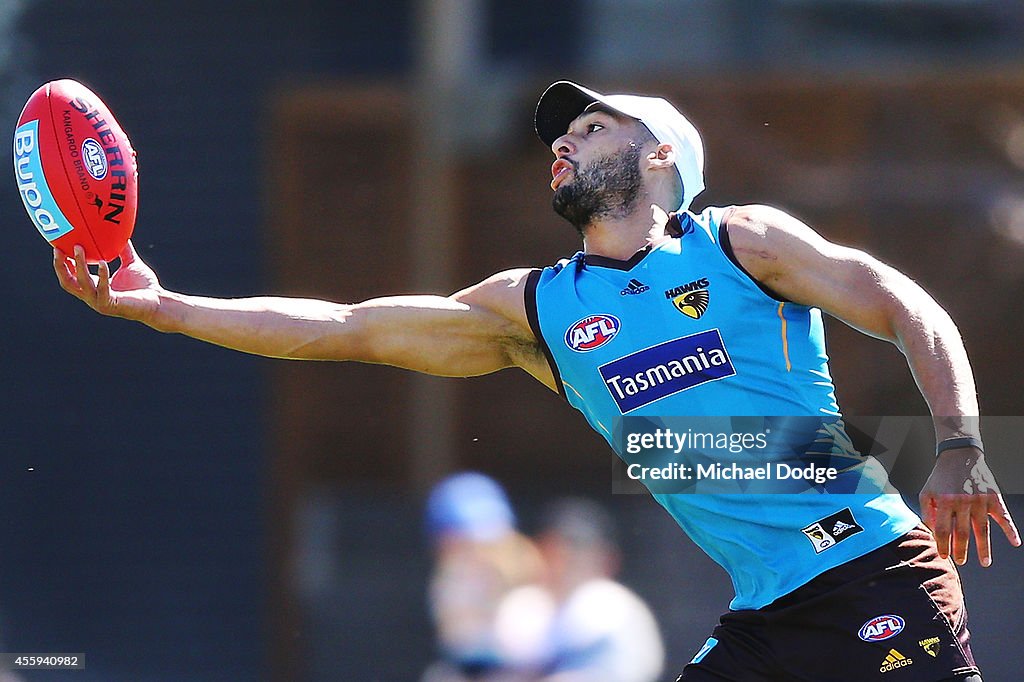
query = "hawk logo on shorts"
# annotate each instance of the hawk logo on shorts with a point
(931, 646)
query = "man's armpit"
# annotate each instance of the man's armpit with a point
(521, 350)
(528, 354)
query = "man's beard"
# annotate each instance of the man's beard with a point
(607, 188)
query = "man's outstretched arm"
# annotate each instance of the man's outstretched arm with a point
(795, 261)
(475, 331)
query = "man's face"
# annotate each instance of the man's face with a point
(596, 173)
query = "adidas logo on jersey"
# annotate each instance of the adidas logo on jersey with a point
(634, 287)
(841, 527)
(831, 530)
(894, 660)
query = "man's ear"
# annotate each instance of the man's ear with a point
(662, 157)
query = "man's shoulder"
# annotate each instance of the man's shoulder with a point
(559, 269)
(564, 263)
(754, 218)
(498, 289)
(758, 232)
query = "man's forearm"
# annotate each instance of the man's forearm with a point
(270, 326)
(938, 360)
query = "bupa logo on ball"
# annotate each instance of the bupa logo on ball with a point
(880, 628)
(95, 159)
(35, 193)
(592, 332)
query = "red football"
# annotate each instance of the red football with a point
(76, 170)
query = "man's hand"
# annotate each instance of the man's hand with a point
(133, 292)
(959, 495)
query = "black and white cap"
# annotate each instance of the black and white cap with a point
(563, 101)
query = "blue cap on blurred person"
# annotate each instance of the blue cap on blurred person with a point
(469, 505)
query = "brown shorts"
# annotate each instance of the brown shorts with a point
(896, 613)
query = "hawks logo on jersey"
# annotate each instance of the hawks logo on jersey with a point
(693, 304)
(691, 299)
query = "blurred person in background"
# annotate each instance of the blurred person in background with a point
(601, 630)
(670, 312)
(480, 559)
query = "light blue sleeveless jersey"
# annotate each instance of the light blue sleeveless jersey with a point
(679, 330)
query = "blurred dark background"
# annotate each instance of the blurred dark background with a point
(178, 511)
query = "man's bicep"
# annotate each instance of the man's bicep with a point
(853, 287)
(432, 334)
(478, 330)
(802, 266)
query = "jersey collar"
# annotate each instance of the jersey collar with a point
(594, 260)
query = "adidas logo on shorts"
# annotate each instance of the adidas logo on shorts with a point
(894, 660)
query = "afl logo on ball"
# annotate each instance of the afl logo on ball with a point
(95, 159)
(881, 627)
(591, 332)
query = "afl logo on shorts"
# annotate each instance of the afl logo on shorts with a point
(591, 332)
(880, 628)
(94, 158)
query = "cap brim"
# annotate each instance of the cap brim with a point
(559, 106)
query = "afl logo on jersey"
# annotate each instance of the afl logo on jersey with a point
(881, 627)
(592, 332)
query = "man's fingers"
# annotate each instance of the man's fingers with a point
(942, 528)
(927, 509)
(979, 520)
(103, 285)
(64, 274)
(82, 274)
(1001, 514)
(961, 533)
